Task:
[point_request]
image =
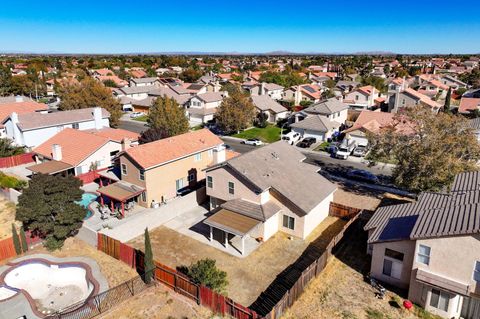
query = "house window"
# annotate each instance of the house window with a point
(179, 183)
(423, 255)
(288, 222)
(144, 197)
(141, 175)
(439, 299)
(231, 188)
(356, 97)
(403, 101)
(198, 157)
(191, 177)
(476, 271)
(75, 126)
(393, 263)
(124, 169)
(209, 181)
(210, 153)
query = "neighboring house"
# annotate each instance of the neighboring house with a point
(373, 122)
(202, 107)
(305, 92)
(453, 82)
(432, 248)
(332, 109)
(317, 126)
(410, 98)
(474, 124)
(344, 87)
(74, 152)
(468, 105)
(134, 92)
(274, 110)
(434, 88)
(153, 173)
(115, 79)
(101, 72)
(273, 90)
(261, 192)
(472, 93)
(32, 129)
(362, 98)
(153, 81)
(18, 105)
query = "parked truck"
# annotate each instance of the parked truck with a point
(345, 149)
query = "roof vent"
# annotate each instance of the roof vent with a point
(275, 156)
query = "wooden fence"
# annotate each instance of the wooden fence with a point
(270, 307)
(16, 160)
(342, 211)
(7, 248)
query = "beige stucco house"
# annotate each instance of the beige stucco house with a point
(432, 248)
(267, 190)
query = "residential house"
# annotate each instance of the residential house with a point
(18, 105)
(273, 90)
(468, 105)
(257, 194)
(453, 82)
(274, 110)
(75, 152)
(434, 89)
(202, 107)
(115, 79)
(152, 81)
(410, 98)
(362, 98)
(344, 87)
(32, 129)
(432, 248)
(306, 92)
(317, 126)
(332, 109)
(153, 173)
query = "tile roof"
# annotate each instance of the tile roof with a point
(144, 80)
(468, 104)
(456, 212)
(316, 123)
(373, 121)
(76, 145)
(273, 87)
(115, 134)
(30, 121)
(211, 96)
(422, 97)
(265, 103)
(20, 108)
(279, 166)
(327, 107)
(169, 149)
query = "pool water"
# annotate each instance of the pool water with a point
(87, 198)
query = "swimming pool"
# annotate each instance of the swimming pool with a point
(87, 198)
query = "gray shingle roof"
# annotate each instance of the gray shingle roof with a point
(474, 123)
(144, 80)
(211, 96)
(273, 87)
(279, 166)
(265, 103)
(456, 212)
(316, 123)
(327, 107)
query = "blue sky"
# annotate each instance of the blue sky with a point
(105, 26)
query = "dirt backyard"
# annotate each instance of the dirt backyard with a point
(7, 217)
(248, 276)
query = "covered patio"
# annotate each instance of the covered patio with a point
(230, 222)
(120, 193)
(52, 168)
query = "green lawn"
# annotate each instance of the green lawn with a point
(142, 118)
(269, 134)
(322, 147)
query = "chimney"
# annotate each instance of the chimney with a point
(219, 155)
(14, 117)
(262, 89)
(18, 98)
(56, 152)
(126, 144)
(298, 96)
(97, 117)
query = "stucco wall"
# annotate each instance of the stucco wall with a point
(102, 154)
(317, 215)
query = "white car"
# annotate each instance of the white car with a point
(291, 138)
(136, 114)
(253, 141)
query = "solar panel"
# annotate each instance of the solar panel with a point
(398, 228)
(310, 89)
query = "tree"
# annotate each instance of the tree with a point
(205, 272)
(436, 148)
(236, 113)
(261, 120)
(190, 75)
(23, 239)
(8, 149)
(166, 115)
(148, 260)
(151, 135)
(110, 83)
(5, 81)
(285, 78)
(16, 240)
(90, 93)
(376, 82)
(446, 106)
(48, 208)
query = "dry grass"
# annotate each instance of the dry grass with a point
(115, 271)
(7, 217)
(248, 276)
(344, 197)
(158, 303)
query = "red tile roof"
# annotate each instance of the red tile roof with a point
(115, 134)
(20, 108)
(172, 148)
(468, 104)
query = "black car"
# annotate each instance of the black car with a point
(307, 142)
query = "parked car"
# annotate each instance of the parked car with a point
(363, 176)
(291, 138)
(253, 141)
(345, 149)
(360, 151)
(307, 142)
(136, 114)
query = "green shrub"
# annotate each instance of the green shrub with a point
(23, 239)
(16, 240)
(205, 272)
(11, 182)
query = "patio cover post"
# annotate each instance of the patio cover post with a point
(226, 239)
(111, 204)
(211, 233)
(123, 209)
(101, 199)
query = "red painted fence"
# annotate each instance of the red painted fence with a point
(16, 160)
(89, 177)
